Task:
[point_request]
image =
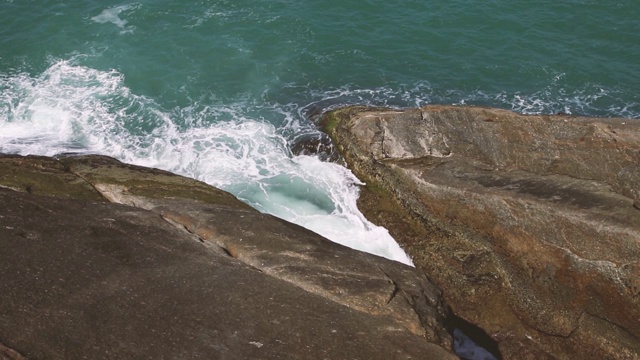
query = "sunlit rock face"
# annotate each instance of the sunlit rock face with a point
(100, 259)
(529, 224)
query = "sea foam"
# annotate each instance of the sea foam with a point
(241, 147)
(79, 109)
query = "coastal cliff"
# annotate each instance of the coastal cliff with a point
(529, 224)
(101, 259)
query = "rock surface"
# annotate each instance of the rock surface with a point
(105, 260)
(527, 223)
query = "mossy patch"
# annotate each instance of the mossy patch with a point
(75, 177)
(44, 176)
(380, 206)
(329, 122)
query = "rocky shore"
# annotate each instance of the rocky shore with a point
(526, 226)
(103, 260)
(530, 225)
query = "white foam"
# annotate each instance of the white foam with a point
(76, 108)
(208, 14)
(590, 99)
(249, 159)
(56, 110)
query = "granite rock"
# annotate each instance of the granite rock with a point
(106, 260)
(527, 223)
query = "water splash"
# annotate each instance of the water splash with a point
(79, 109)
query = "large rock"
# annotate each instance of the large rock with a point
(527, 223)
(99, 259)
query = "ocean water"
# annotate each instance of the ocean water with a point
(220, 90)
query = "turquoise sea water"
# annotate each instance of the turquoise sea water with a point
(220, 90)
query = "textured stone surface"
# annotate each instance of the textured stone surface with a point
(179, 269)
(527, 223)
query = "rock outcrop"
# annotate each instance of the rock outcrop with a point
(529, 224)
(99, 259)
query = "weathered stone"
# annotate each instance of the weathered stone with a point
(315, 145)
(526, 222)
(9, 354)
(43, 175)
(145, 182)
(190, 271)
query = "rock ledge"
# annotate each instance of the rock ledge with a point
(527, 223)
(100, 259)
